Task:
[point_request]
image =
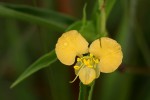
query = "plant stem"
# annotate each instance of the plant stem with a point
(86, 91)
(82, 92)
(91, 91)
(103, 19)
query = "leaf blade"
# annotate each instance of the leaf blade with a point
(42, 62)
(43, 17)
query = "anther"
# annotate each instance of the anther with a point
(96, 61)
(78, 59)
(90, 66)
(84, 61)
(76, 67)
(91, 55)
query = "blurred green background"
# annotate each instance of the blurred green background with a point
(30, 28)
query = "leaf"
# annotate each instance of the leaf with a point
(109, 6)
(42, 62)
(48, 18)
(88, 31)
(75, 26)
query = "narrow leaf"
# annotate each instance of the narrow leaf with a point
(42, 62)
(50, 19)
(109, 6)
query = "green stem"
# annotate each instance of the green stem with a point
(103, 19)
(83, 92)
(103, 22)
(86, 91)
(91, 91)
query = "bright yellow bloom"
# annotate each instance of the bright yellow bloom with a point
(103, 55)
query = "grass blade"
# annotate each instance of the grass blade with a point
(50, 19)
(42, 62)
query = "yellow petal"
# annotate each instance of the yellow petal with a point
(87, 75)
(69, 45)
(109, 52)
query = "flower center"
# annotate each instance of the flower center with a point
(89, 61)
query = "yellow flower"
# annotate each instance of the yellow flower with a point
(103, 55)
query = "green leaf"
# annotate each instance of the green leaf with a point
(88, 31)
(75, 26)
(42, 62)
(44, 17)
(109, 6)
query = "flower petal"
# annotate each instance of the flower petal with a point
(87, 75)
(109, 52)
(69, 45)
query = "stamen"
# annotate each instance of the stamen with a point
(90, 66)
(89, 61)
(96, 60)
(76, 75)
(85, 62)
(91, 55)
(78, 59)
(74, 79)
(76, 67)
